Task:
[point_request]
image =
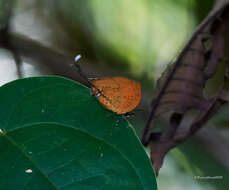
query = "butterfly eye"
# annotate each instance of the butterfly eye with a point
(98, 95)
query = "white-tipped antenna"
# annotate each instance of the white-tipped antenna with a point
(84, 77)
(77, 58)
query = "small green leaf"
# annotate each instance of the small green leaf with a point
(55, 135)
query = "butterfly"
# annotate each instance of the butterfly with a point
(118, 94)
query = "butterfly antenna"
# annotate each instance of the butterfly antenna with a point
(83, 76)
(76, 59)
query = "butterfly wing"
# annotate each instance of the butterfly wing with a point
(118, 94)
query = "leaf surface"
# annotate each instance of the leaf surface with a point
(55, 135)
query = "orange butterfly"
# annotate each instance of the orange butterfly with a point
(118, 94)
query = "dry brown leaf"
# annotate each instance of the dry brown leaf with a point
(180, 89)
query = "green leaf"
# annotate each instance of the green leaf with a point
(55, 135)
